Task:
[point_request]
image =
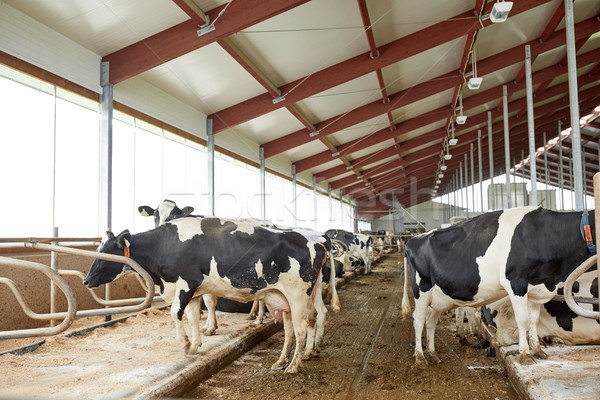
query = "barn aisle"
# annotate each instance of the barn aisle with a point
(368, 353)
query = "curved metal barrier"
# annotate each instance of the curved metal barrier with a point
(68, 316)
(117, 306)
(568, 290)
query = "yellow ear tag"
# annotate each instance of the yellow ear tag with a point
(143, 213)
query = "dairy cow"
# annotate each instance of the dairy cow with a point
(231, 259)
(358, 245)
(525, 253)
(558, 323)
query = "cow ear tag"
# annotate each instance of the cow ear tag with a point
(144, 213)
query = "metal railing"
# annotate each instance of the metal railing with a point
(587, 264)
(118, 306)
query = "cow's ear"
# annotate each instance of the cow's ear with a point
(110, 235)
(146, 211)
(186, 211)
(125, 235)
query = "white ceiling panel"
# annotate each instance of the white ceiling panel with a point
(306, 150)
(342, 98)
(424, 66)
(104, 26)
(362, 130)
(269, 127)
(222, 82)
(373, 150)
(305, 40)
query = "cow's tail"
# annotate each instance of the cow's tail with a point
(405, 302)
(335, 300)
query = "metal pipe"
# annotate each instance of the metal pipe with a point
(54, 266)
(574, 102)
(329, 194)
(530, 126)
(506, 146)
(68, 316)
(314, 188)
(568, 289)
(263, 193)
(523, 177)
(561, 176)
(210, 160)
(462, 200)
(472, 178)
(546, 197)
(294, 202)
(492, 194)
(466, 188)
(480, 167)
(106, 147)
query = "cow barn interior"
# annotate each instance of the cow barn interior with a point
(386, 118)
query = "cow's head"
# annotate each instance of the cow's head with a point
(103, 271)
(166, 211)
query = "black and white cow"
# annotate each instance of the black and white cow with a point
(358, 245)
(167, 211)
(558, 323)
(236, 260)
(525, 253)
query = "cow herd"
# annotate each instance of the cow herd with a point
(511, 263)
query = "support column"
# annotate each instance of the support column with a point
(492, 194)
(546, 197)
(106, 148)
(574, 102)
(530, 126)
(329, 194)
(294, 202)
(480, 167)
(561, 175)
(263, 195)
(341, 223)
(506, 146)
(472, 179)
(462, 199)
(523, 177)
(210, 158)
(314, 187)
(466, 186)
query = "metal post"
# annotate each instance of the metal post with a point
(466, 186)
(584, 179)
(546, 172)
(106, 111)
(106, 149)
(263, 193)
(480, 167)
(492, 195)
(54, 266)
(574, 102)
(523, 177)
(462, 198)
(472, 178)
(571, 182)
(314, 187)
(561, 176)
(530, 126)
(506, 146)
(210, 158)
(355, 222)
(341, 223)
(294, 202)
(329, 194)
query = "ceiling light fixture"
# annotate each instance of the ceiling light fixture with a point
(460, 119)
(500, 11)
(440, 175)
(447, 156)
(444, 167)
(452, 141)
(475, 82)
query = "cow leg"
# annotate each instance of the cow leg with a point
(254, 310)
(193, 312)
(534, 342)
(182, 297)
(210, 300)
(314, 335)
(521, 312)
(459, 313)
(261, 312)
(288, 330)
(433, 316)
(300, 319)
(419, 316)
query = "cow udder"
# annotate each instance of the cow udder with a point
(277, 304)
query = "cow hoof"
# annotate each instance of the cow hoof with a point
(489, 352)
(192, 351)
(258, 322)
(464, 342)
(277, 366)
(209, 332)
(421, 362)
(291, 369)
(526, 359)
(435, 358)
(539, 354)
